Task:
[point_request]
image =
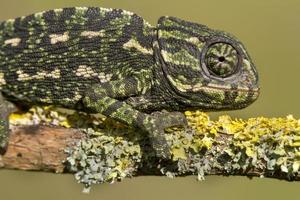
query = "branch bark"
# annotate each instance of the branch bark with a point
(39, 148)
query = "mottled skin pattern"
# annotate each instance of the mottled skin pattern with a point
(112, 62)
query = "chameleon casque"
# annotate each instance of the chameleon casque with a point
(113, 62)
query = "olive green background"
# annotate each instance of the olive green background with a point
(271, 32)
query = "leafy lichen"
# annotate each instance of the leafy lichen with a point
(112, 151)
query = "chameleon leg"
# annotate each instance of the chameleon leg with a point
(5, 109)
(99, 100)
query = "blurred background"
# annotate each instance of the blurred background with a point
(271, 32)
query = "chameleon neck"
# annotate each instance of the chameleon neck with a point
(162, 85)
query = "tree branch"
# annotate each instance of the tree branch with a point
(102, 150)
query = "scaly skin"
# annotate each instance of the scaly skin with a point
(111, 61)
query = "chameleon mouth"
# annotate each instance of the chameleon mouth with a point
(228, 100)
(241, 98)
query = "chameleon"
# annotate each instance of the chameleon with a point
(113, 62)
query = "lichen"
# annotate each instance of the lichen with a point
(113, 151)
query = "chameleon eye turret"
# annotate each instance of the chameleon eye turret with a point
(220, 60)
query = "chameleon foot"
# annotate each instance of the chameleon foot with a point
(156, 125)
(5, 109)
(3, 136)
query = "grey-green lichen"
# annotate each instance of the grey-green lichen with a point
(256, 146)
(103, 158)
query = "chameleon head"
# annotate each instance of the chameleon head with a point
(207, 69)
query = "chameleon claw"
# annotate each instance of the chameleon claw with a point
(3, 149)
(156, 126)
(3, 136)
(160, 146)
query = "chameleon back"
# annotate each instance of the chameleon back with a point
(51, 57)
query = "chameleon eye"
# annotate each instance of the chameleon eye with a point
(221, 60)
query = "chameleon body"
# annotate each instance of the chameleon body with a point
(113, 62)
